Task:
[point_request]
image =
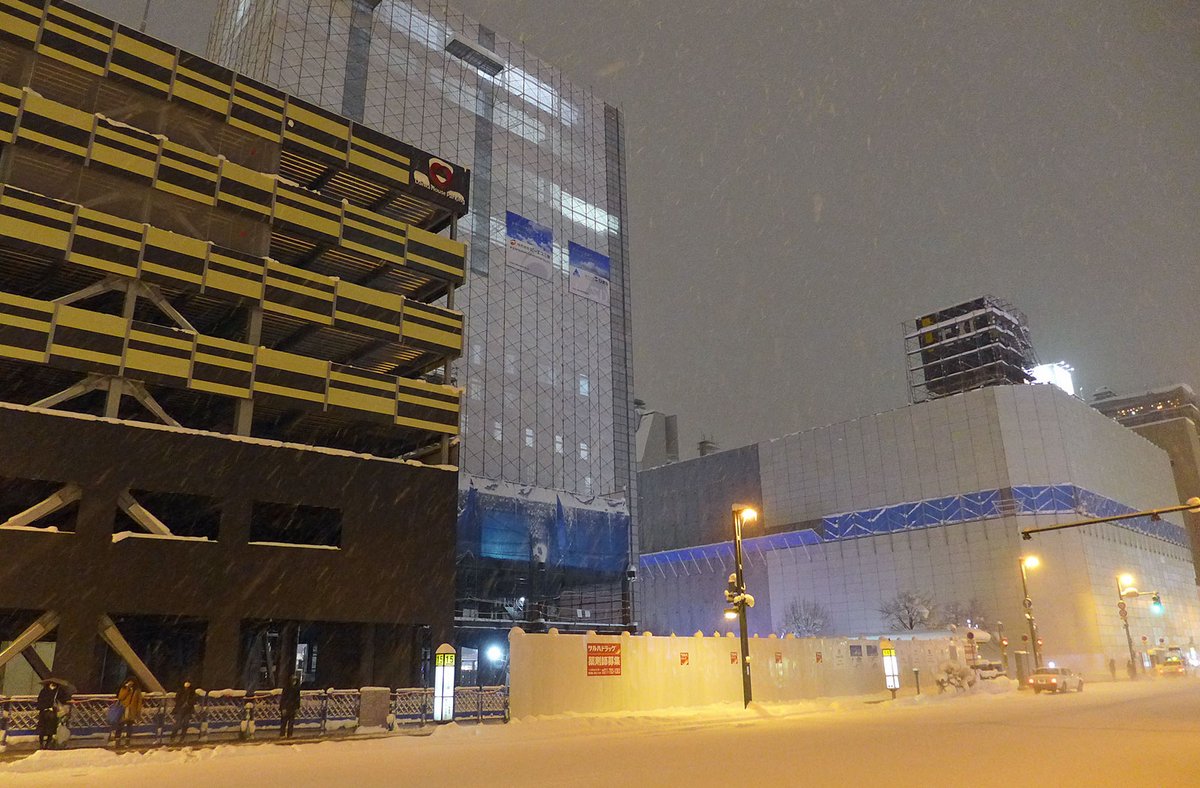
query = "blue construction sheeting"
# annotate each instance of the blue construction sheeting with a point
(968, 507)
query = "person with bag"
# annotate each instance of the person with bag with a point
(185, 707)
(129, 697)
(48, 701)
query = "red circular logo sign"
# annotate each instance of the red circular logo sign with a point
(441, 174)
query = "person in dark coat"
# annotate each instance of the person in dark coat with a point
(289, 705)
(47, 707)
(185, 708)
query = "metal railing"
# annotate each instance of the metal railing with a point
(236, 714)
(471, 704)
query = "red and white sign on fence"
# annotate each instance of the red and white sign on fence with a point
(604, 659)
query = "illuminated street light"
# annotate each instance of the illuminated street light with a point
(742, 514)
(1124, 588)
(731, 613)
(1031, 562)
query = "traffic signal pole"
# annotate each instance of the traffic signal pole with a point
(1133, 663)
(1037, 651)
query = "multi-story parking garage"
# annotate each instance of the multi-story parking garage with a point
(226, 322)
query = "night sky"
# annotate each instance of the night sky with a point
(804, 176)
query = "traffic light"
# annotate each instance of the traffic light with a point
(1121, 609)
(1004, 641)
(1156, 604)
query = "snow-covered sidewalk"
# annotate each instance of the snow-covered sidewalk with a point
(1108, 735)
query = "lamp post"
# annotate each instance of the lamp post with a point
(742, 514)
(1030, 562)
(1124, 583)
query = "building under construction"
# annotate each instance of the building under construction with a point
(226, 322)
(982, 342)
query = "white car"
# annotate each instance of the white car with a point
(1055, 680)
(989, 670)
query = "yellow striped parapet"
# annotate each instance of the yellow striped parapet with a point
(154, 160)
(109, 245)
(95, 45)
(68, 337)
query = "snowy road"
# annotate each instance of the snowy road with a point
(1124, 734)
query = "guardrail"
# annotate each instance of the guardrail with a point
(239, 715)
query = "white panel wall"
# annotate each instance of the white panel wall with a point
(933, 449)
(548, 672)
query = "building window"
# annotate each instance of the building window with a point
(558, 444)
(497, 431)
(583, 451)
(587, 483)
(584, 386)
(529, 437)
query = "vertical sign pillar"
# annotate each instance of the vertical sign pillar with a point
(443, 683)
(891, 666)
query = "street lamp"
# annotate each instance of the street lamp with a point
(742, 514)
(1030, 562)
(1124, 587)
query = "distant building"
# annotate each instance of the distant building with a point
(929, 498)
(981, 342)
(1168, 418)
(657, 439)
(1060, 374)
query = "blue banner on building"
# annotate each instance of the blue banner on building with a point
(530, 246)
(590, 273)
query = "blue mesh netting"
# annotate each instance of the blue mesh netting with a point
(516, 529)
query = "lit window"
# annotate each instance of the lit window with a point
(585, 386)
(583, 451)
(558, 444)
(528, 437)
(587, 483)
(497, 431)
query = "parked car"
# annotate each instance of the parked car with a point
(1055, 680)
(989, 670)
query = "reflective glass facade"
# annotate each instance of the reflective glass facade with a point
(547, 371)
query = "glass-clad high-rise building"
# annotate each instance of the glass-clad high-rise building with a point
(546, 534)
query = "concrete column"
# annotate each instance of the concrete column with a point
(222, 653)
(75, 652)
(366, 655)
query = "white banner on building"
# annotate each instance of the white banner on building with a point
(530, 246)
(590, 273)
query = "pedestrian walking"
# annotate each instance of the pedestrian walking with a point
(48, 701)
(185, 707)
(289, 706)
(130, 699)
(1112, 668)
